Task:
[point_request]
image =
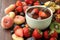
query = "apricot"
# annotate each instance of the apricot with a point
(10, 8)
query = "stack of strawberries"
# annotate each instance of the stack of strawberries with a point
(27, 32)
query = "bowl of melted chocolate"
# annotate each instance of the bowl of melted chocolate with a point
(38, 17)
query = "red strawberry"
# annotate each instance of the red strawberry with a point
(29, 1)
(58, 11)
(19, 3)
(19, 9)
(37, 34)
(16, 27)
(36, 3)
(58, 20)
(24, 8)
(36, 10)
(53, 33)
(53, 38)
(26, 32)
(46, 34)
(19, 32)
(42, 14)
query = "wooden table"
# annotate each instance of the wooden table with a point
(4, 34)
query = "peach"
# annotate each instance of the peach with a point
(11, 14)
(19, 19)
(6, 22)
(10, 8)
(16, 37)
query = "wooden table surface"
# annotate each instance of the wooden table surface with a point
(4, 34)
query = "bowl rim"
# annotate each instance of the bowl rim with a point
(51, 12)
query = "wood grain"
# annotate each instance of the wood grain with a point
(4, 34)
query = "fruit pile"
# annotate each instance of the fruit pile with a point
(16, 23)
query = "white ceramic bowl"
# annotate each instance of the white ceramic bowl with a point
(40, 24)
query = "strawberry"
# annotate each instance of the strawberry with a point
(24, 8)
(58, 16)
(36, 10)
(19, 32)
(53, 38)
(16, 27)
(19, 9)
(19, 3)
(58, 11)
(42, 14)
(26, 32)
(29, 1)
(53, 33)
(46, 34)
(36, 3)
(37, 34)
(58, 20)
